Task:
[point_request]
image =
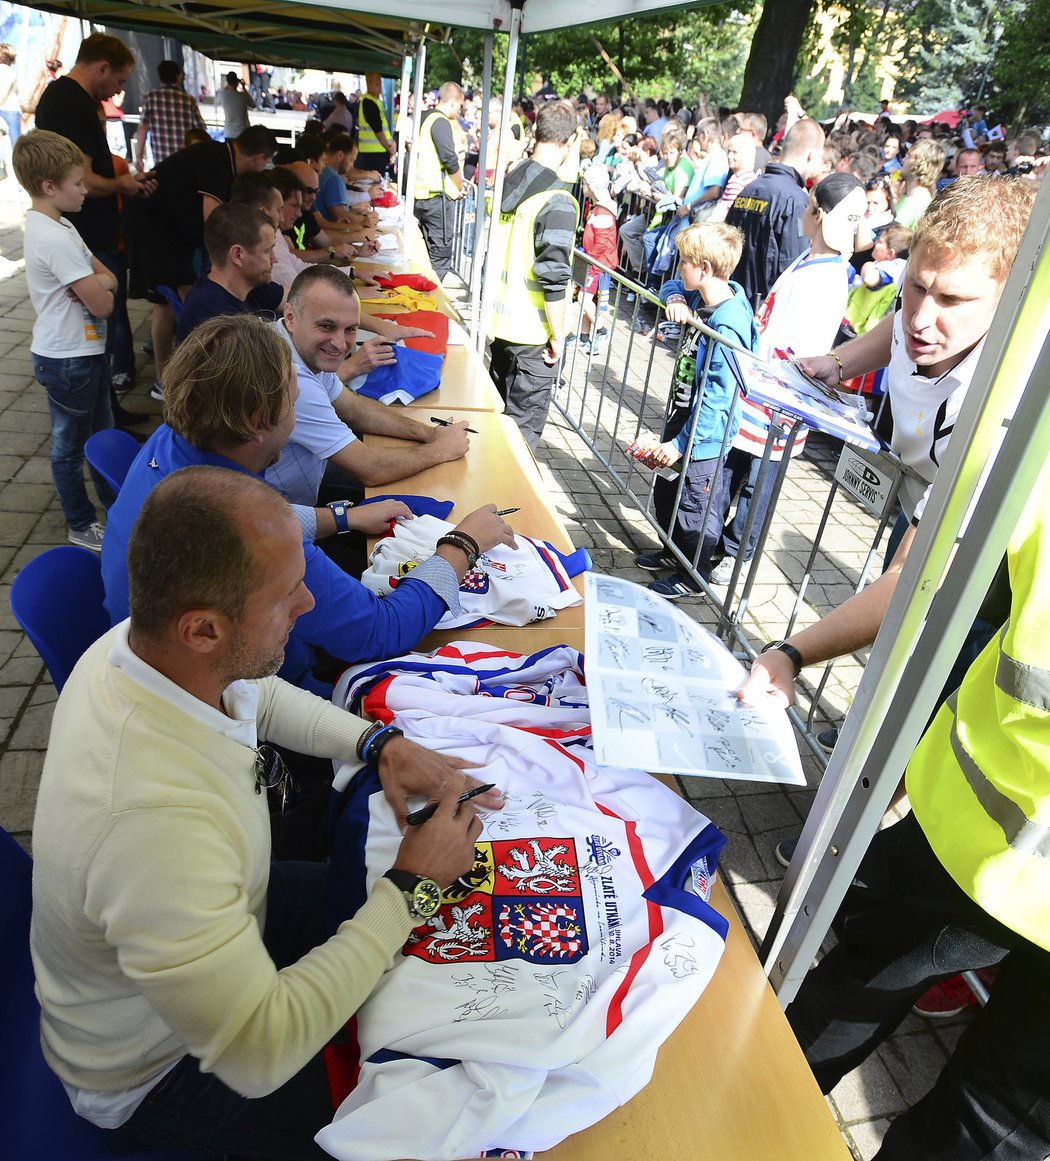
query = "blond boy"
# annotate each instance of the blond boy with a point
(708, 254)
(72, 293)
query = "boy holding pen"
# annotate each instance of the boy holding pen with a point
(709, 252)
(72, 293)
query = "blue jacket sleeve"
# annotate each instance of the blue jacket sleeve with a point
(675, 286)
(352, 623)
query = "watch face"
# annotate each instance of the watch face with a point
(426, 898)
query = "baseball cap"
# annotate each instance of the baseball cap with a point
(597, 177)
(842, 199)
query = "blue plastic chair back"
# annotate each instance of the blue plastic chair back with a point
(111, 452)
(38, 1121)
(57, 598)
(171, 297)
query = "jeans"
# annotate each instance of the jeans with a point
(78, 398)
(120, 348)
(904, 924)
(193, 1109)
(698, 521)
(741, 475)
(14, 125)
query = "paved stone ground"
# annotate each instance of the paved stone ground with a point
(754, 817)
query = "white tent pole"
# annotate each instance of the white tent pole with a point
(417, 116)
(406, 73)
(479, 201)
(481, 329)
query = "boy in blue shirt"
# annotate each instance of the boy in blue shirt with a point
(72, 293)
(708, 254)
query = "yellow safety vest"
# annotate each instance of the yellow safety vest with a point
(367, 141)
(979, 781)
(431, 178)
(518, 313)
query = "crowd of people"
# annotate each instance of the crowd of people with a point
(200, 1015)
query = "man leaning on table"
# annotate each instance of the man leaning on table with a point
(320, 324)
(228, 402)
(187, 986)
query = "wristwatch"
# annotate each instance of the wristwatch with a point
(792, 653)
(422, 895)
(331, 253)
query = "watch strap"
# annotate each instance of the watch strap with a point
(340, 509)
(466, 544)
(790, 651)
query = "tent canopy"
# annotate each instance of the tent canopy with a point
(343, 35)
(298, 34)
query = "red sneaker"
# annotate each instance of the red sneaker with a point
(945, 998)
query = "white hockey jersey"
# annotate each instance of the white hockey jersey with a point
(533, 1003)
(507, 586)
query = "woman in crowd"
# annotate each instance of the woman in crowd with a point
(920, 171)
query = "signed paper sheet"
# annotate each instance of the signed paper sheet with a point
(662, 698)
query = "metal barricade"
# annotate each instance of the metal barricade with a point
(619, 386)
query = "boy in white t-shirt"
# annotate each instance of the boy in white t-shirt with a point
(71, 292)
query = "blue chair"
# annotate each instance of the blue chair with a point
(171, 297)
(38, 1121)
(110, 453)
(57, 598)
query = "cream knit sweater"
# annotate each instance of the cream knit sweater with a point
(151, 861)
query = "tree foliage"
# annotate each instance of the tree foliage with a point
(1020, 74)
(674, 53)
(943, 52)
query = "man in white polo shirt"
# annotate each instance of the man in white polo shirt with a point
(320, 323)
(961, 255)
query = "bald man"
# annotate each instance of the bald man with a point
(769, 210)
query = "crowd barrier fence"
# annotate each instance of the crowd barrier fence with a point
(618, 389)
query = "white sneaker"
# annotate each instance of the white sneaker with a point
(90, 537)
(722, 573)
(157, 391)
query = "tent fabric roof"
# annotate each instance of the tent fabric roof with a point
(344, 35)
(280, 32)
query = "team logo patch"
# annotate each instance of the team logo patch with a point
(474, 581)
(520, 900)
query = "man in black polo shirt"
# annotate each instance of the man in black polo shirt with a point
(240, 241)
(170, 234)
(312, 244)
(769, 211)
(70, 106)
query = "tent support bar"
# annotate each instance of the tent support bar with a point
(406, 73)
(932, 609)
(479, 185)
(417, 116)
(481, 327)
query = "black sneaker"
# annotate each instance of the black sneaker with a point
(655, 562)
(785, 850)
(828, 739)
(674, 588)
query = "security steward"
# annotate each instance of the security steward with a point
(961, 883)
(376, 148)
(439, 176)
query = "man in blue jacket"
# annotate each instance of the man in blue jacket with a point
(769, 210)
(229, 398)
(702, 418)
